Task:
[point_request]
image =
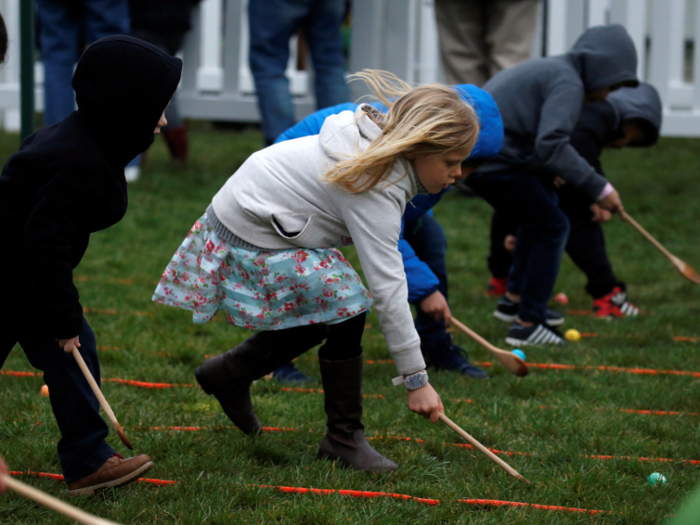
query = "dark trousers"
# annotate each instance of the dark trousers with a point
(65, 28)
(272, 23)
(542, 230)
(428, 240)
(82, 448)
(585, 246)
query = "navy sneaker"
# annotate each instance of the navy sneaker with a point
(507, 311)
(537, 335)
(291, 375)
(451, 357)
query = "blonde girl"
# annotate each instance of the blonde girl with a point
(266, 253)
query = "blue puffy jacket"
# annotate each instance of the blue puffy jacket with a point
(421, 280)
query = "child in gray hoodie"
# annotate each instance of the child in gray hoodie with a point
(540, 101)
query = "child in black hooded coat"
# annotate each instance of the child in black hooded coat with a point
(66, 182)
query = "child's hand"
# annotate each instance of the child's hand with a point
(3, 470)
(425, 402)
(558, 182)
(68, 344)
(599, 214)
(611, 202)
(436, 306)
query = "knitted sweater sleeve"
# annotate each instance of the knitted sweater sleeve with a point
(373, 219)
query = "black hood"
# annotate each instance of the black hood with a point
(122, 86)
(640, 103)
(605, 56)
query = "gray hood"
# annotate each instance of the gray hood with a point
(642, 103)
(604, 56)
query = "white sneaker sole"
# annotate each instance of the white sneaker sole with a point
(131, 476)
(521, 342)
(504, 317)
(510, 318)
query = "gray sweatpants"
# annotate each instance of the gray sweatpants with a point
(479, 38)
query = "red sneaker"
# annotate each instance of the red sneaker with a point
(496, 287)
(615, 304)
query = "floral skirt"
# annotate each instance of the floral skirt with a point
(261, 290)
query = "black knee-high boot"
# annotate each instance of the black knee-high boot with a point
(345, 433)
(228, 377)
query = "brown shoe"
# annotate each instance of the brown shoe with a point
(116, 472)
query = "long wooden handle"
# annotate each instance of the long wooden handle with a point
(493, 457)
(95, 388)
(471, 333)
(72, 512)
(648, 235)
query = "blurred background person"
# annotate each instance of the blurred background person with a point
(165, 23)
(479, 38)
(65, 28)
(272, 24)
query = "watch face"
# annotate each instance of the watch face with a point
(417, 380)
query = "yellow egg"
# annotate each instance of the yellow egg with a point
(45, 391)
(572, 335)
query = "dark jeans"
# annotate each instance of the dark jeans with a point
(542, 230)
(427, 238)
(82, 448)
(585, 246)
(65, 28)
(272, 24)
(171, 44)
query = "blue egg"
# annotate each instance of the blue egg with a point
(519, 353)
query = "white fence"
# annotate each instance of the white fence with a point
(401, 36)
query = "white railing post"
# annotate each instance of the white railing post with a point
(428, 68)
(633, 15)
(210, 75)
(696, 61)
(9, 93)
(598, 11)
(556, 27)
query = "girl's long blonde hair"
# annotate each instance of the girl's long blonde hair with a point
(424, 119)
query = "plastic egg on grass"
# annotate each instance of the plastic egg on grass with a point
(656, 478)
(519, 353)
(44, 391)
(572, 335)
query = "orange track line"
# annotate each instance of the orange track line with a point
(363, 494)
(59, 477)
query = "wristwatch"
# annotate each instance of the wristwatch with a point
(412, 382)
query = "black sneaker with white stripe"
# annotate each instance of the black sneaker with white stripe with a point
(507, 311)
(537, 335)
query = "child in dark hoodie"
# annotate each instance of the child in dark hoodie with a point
(630, 117)
(66, 182)
(540, 101)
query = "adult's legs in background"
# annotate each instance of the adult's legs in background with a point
(510, 32)
(461, 32)
(322, 30)
(272, 24)
(60, 30)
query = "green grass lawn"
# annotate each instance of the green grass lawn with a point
(219, 470)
